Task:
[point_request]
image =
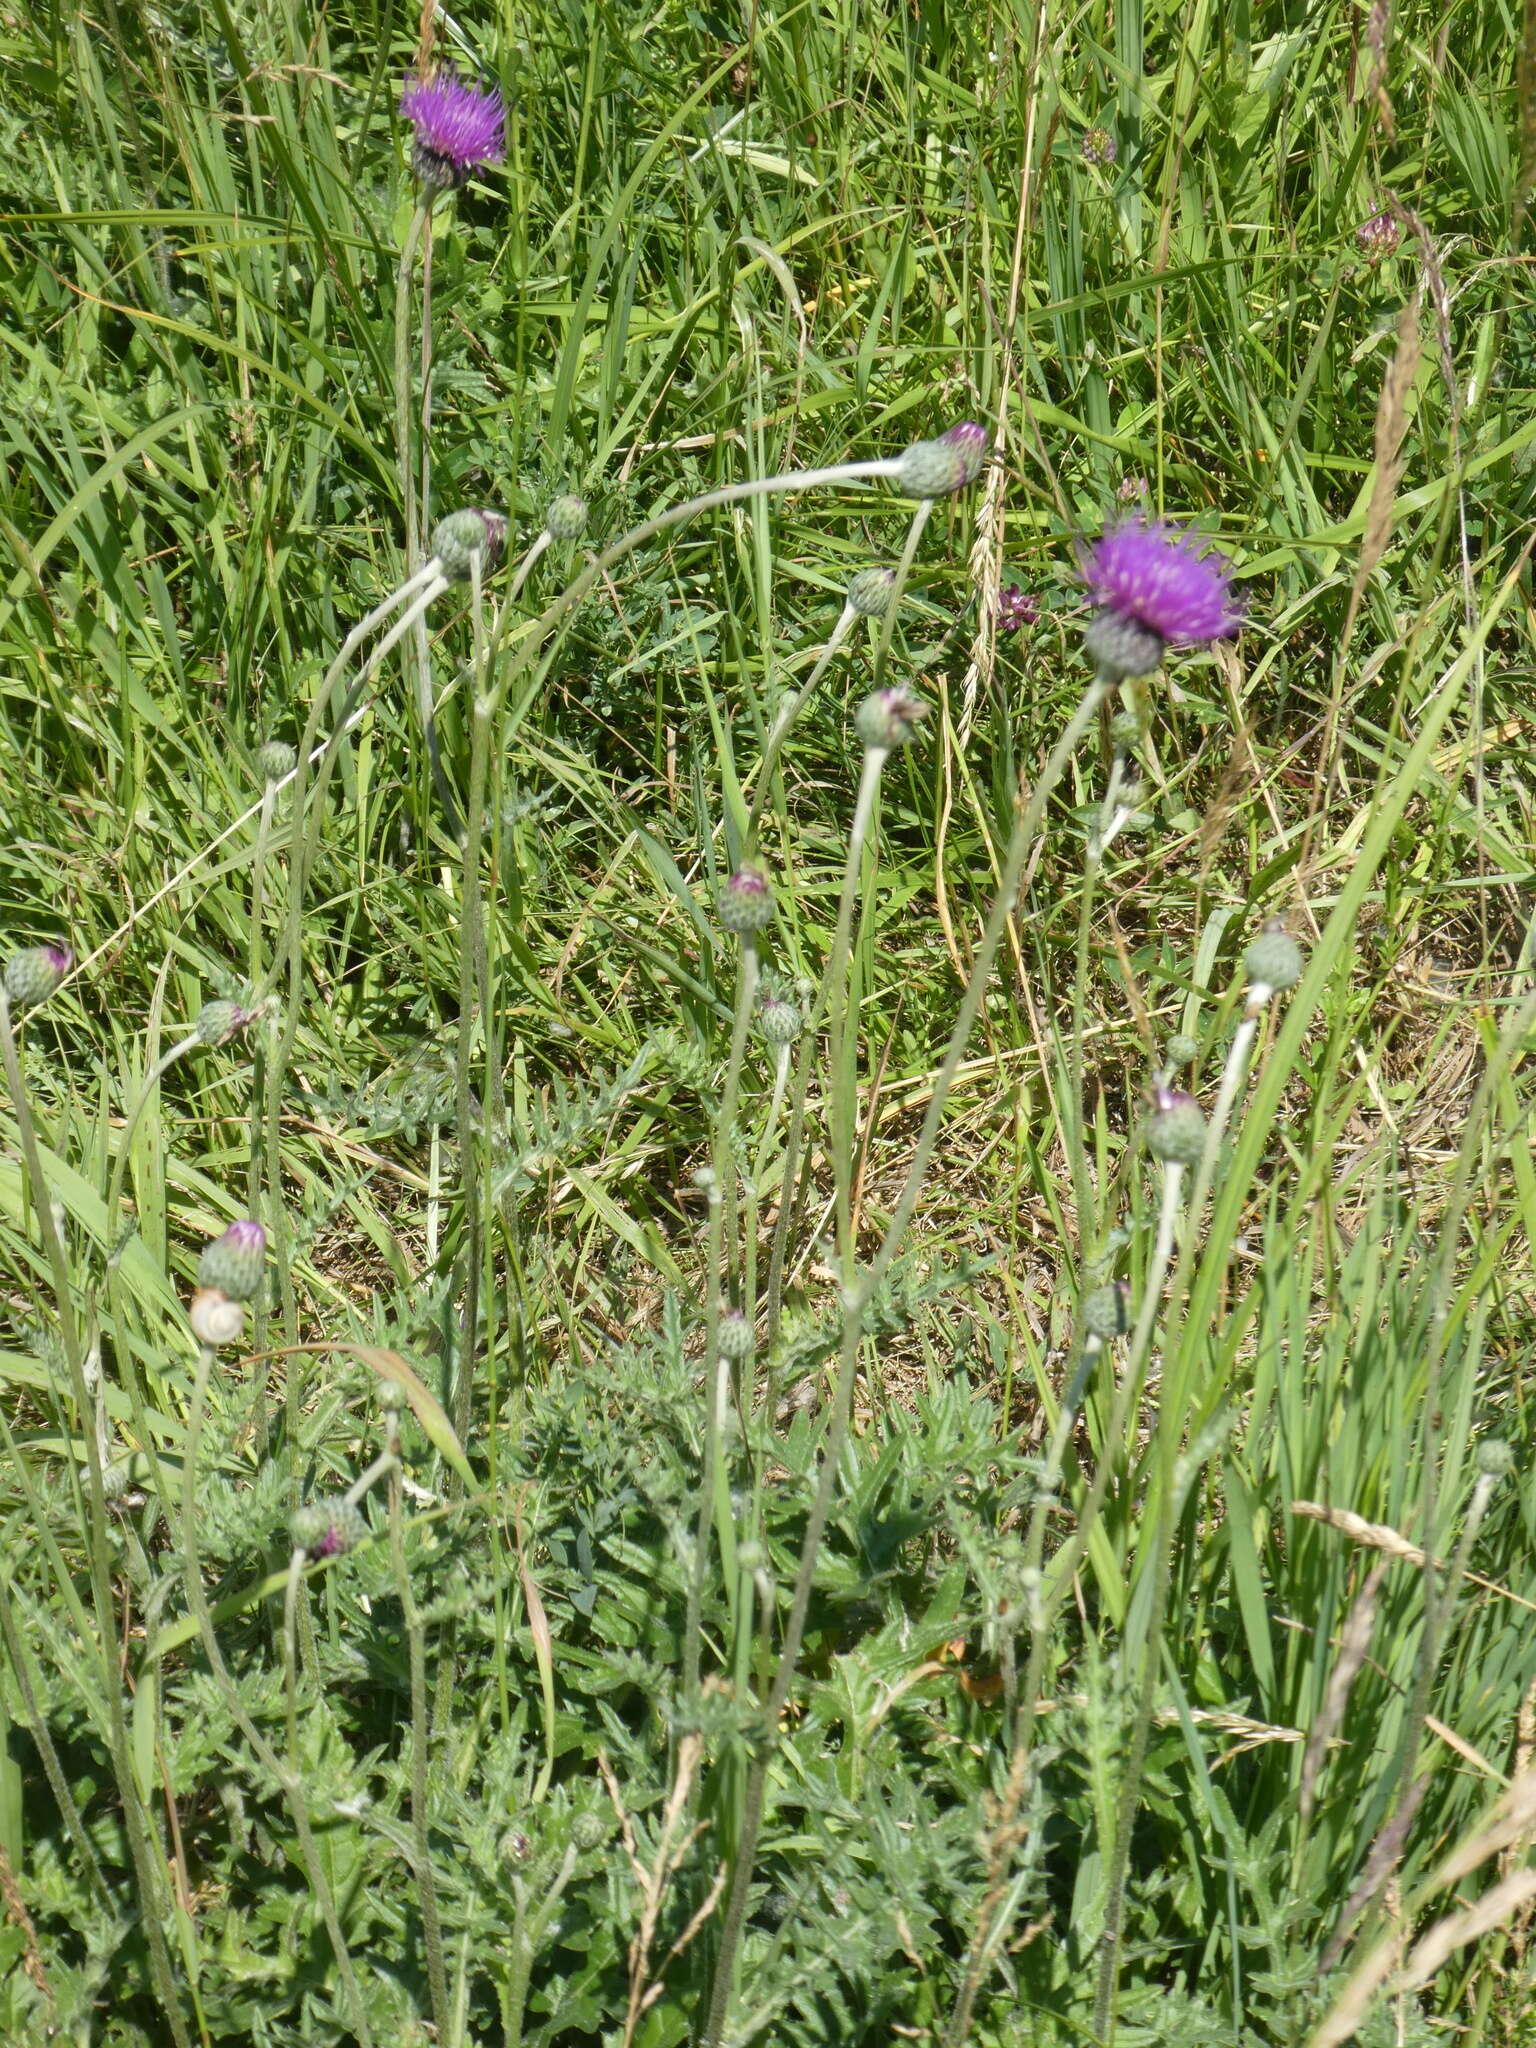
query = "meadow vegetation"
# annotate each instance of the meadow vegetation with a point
(633, 1408)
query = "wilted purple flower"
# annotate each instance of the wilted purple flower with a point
(1099, 147)
(458, 127)
(1015, 608)
(1133, 489)
(1378, 236)
(1155, 587)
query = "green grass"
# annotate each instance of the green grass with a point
(717, 251)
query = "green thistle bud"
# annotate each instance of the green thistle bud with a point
(1176, 1128)
(233, 1263)
(1274, 959)
(218, 1022)
(746, 901)
(276, 759)
(734, 1338)
(1181, 1049)
(871, 591)
(566, 518)
(1495, 1458)
(888, 718)
(326, 1528)
(778, 1020)
(32, 976)
(1106, 1312)
(459, 538)
(936, 469)
(1125, 730)
(588, 1831)
(1120, 646)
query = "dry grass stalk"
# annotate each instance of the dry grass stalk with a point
(16, 1912)
(672, 1846)
(1391, 428)
(1355, 1642)
(1378, 1536)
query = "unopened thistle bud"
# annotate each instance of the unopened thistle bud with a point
(32, 976)
(326, 1528)
(219, 1022)
(778, 1019)
(1495, 1457)
(1273, 961)
(746, 901)
(871, 591)
(1181, 1049)
(1125, 730)
(734, 1337)
(566, 518)
(233, 1263)
(936, 469)
(1176, 1128)
(276, 759)
(459, 538)
(889, 718)
(1106, 1311)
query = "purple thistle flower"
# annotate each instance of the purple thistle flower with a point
(1155, 587)
(1015, 608)
(458, 127)
(233, 1263)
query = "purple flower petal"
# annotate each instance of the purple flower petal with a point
(457, 125)
(1157, 576)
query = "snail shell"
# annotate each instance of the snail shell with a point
(215, 1319)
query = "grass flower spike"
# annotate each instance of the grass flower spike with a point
(459, 128)
(1156, 589)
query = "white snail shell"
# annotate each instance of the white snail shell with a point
(215, 1319)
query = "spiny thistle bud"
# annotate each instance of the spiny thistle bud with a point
(778, 1019)
(326, 1528)
(457, 540)
(1181, 1049)
(1495, 1457)
(218, 1022)
(1121, 647)
(888, 718)
(734, 1337)
(233, 1263)
(566, 518)
(1125, 730)
(1176, 1128)
(746, 901)
(32, 976)
(871, 591)
(588, 1831)
(1274, 959)
(276, 759)
(937, 469)
(1107, 1311)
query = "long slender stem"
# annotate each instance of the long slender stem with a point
(784, 725)
(421, 1812)
(288, 1782)
(147, 1866)
(1093, 862)
(856, 1299)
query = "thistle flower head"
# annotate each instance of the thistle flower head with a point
(778, 1019)
(326, 1528)
(1015, 608)
(220, 1021)
(32, 975)
(746, 901)
(232, 1264)
(936, 469)
(566, 518)
(1181, 1049)
(1155, 588)
(734, 1337)
(1176, 1128)
(275, 759)
(888, 718)
(457, 539)
(1106, 1311)
(458, 127)
(870, 592)
(1273, 962)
